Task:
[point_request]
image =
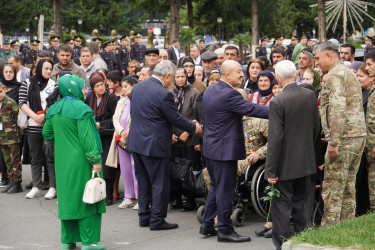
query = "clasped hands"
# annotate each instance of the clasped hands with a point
(185, 135)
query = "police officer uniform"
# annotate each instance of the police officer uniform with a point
(290, 48)
(30, 56)
(122, 55)
(77, 49)
(261, 50)
(108, 56)
(138, 51)
(15, 43)
(370, 47)
(54, 50)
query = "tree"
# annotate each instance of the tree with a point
(57, 19)
(174, 20)
(321, 20)
(254, 26)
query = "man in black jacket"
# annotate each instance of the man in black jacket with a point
(174, 51)
(293, 127)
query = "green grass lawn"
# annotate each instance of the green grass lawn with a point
(358, 233)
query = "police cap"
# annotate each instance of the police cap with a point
(369, 38)
(265, 38)
(138, 35)
(125, 37)
(55, 38)
(15, 42)
(78, 38)
(209, 56)
(279, 38)
(97, 39)
(69, 41)
(105, 44)
(34, 42)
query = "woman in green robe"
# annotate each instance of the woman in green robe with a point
(70, 126)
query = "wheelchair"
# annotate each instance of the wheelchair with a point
(250, 190)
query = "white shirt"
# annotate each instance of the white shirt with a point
(176, 52)
(19, 76)
(227, 83)
(197, 61)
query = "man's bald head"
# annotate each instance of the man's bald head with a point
(231, 72)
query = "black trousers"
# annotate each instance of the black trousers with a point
(219, 199)
(294, 203)
(153, 176)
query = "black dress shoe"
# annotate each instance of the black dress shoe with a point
(9, 186)
(176, 205)
(29, 186)
(164, 226)
(16, 188)
(4, 183)
(144, 224)
(233, 237)
(208, 230)
(188, 208)
(108, 202)
(268, 234)
(261, 231)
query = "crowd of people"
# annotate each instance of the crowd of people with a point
(127, 111)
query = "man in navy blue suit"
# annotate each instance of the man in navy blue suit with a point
(223, 145)
(153, 112)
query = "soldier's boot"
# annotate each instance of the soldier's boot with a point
(10, 184)
(16, 188)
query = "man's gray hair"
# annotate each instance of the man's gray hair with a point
(311, 57)
(322, 46)
(195, 46)
(220, 51)
(286, 70)
(164, 68)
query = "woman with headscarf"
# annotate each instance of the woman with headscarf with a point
(183, 146)
(265, 83)
(8, 77)
(33, 102)
(188, 64)
(71, 126)
(104, 105)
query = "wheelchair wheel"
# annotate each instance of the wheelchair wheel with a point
(238, 217)
(200, 213)
(258, 190)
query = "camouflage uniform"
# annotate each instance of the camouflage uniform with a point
(370, 144)
(256, 134)
(343, 123)
(10, 138)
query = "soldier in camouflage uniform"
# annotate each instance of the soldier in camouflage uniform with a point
(370, 122)
(344, 127)
(10, 141)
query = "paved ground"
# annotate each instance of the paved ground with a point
(33, 224)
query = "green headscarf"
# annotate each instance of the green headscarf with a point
(72, 105)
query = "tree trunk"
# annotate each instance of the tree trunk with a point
(344, 21)
(174, 20)
(190, 13)
(254, 26)
(227, 33)
(57, 19)
(321, 20)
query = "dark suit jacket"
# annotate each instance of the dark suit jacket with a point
(153, 112)
(172, 55)
(293, 128)
(223, 109)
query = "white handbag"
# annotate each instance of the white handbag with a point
(94, 190)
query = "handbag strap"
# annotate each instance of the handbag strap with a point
(93, 174)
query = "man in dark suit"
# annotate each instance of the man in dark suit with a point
(223, 145)
(174, 52)
(293, 127)
(153, 113)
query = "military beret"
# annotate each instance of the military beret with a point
(97, 39)
(34, 42)
(55, 38)
(264, 38)
(125, 37)
(152, 50)
(369, 38)
(78, 38)
(209, 56)
(6, 40)
(70, 40)
(15, 42)
(138, 35)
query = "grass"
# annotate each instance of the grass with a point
(358, 233)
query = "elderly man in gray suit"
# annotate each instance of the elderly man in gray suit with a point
(22, 72)
(293, 127)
